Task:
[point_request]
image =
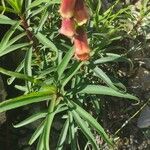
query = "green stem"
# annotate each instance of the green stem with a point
(49, 121)
(127, 121)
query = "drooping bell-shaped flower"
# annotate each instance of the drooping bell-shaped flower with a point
(81, 46)
(67, 27)
(81, 13)
(66, 9)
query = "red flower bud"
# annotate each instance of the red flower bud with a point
(82, 49)
(81, 13)
(67, 27)
(67, 8)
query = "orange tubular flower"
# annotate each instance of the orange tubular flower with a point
(67, 27)
(82, 49)
(81, 13)
(67, 8)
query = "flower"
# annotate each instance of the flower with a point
(81, 46)
(81, 13)
(67, 27)
(66, 9)
(75, 12)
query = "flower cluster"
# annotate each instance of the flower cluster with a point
(74, 15)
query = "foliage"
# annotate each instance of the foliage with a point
(52, 75)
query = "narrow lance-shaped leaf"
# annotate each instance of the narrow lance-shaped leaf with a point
(37, 133)
(18, 69)
(28, 62)
(7, 36)
(62, 66)
(38, 2)
(31, 119)
(16, 38)
(7, 9)
(6, 20)
(27, 66)
(14, 5)
(92, 122)
(102, 75)
(37, 11)
(84, 128)
(43, 20)
(110, 57)
(72, 131)
(103, 90)
(40, 145)
(17, 75)
(75, 67)
(47, 42)
(63, 135)
(20, 4)
(34, 97)
(48, 123)
(13, 48)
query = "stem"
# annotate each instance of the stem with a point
(30, 37)
(127, 121)
(26, 28)
(49, 121)
(29, 34)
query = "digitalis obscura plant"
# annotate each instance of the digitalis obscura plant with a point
(63, 77)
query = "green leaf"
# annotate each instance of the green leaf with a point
(103, 90)
(7, 9)
(20, 3)
(17, 75)
(75, 67)
(98, 6)
(42, 74)
(92, 122)
(28, 65)
(110, 57)
(38, 2)
(46, 42)
(72, 132)
(18, 69)
(26, 4)
(40, 129)
(62, 66)
(13, 48)
(117, 83)
(5, 20)
(34, 97)
(31, 119)
(48, 123)
(43, 19)
(63, 135)
(144, 6)
(7, 36)
(37, 133)
(40, 145)
(102, 75)
(21, 88)
(15, 39)
(37, 11)
(14, 5)
(28, 62)
(84, 128)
